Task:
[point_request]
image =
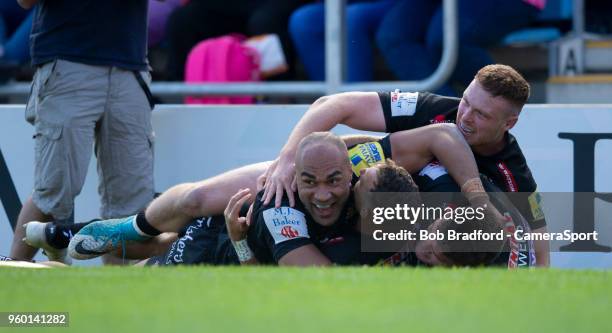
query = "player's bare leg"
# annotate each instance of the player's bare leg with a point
(152, 247)
(180, 204)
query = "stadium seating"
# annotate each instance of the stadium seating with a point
(546, 28)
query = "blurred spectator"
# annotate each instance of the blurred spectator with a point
(90, 91)
(15, 26)
(202, 19)
(159, 11)
(411, 35)
(307, 29)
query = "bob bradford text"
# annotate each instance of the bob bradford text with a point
(452, 235)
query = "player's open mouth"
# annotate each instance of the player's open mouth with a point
(324, 210)
(466, 130)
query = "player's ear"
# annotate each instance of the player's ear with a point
(348, 171)
(511, 121)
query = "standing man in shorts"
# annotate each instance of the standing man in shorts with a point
(90, 88)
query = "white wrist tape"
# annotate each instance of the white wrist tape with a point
(243, 250)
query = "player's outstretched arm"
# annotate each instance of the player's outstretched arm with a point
(355, 139)
(414, 149)
(359, 110)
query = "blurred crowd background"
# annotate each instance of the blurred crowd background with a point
(386, 39)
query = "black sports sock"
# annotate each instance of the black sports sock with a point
(59, 235)
(145, 226)
(76, 227)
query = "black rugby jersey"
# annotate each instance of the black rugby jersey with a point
(507, 169)
(205, 240)
(274, 232)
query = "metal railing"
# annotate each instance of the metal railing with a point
(335, 63)
(578, 17)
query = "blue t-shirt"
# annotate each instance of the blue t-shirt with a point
(95, 32)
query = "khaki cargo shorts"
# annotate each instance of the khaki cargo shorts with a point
(76, 109)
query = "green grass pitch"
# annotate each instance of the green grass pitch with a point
(272, 299)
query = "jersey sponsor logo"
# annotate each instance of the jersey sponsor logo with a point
(519, 250)
(285, 223)
(365, 155)
(523, 260)
(511, 185)
(403, 103)
(177, 250)
(433, 170)
(513, 244)
(289, 232)
(535, 202)
(439, 119)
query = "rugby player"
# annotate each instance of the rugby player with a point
(490, 106)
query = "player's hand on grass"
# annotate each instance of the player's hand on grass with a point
(279, 178)
(237, 226)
